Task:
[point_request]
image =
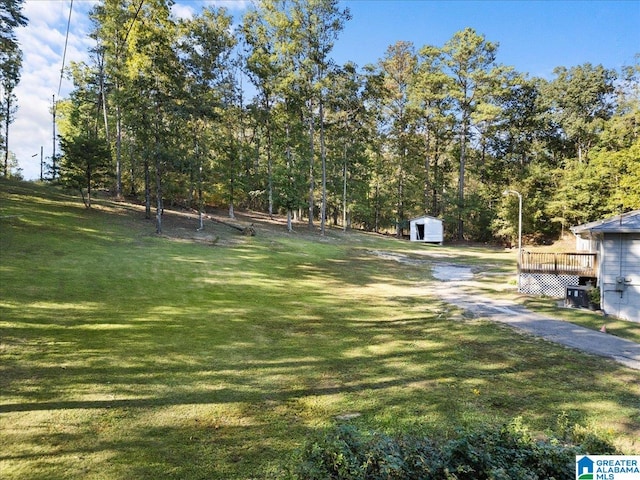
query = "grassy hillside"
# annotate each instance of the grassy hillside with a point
(212, 355)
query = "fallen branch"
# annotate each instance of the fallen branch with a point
(248, 230)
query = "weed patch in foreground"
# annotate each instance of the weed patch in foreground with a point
(507, 452)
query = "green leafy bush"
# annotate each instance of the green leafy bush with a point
(502, 453)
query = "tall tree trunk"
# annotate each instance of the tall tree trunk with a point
(103, 99)
(289, 167)
(53, 150)
(159, 207)
(7, 121)
(158, 163)
(147, 189)
(269, 160)
(200, 196)
(427, 171)
(311, 153)
(323, 159)
(377, 208)
(232, 173)
(118, 151)
(463, 153)
(435, 209)
(400, 200)
(344, 189)
(88, 187)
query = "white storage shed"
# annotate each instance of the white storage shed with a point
(426, 229)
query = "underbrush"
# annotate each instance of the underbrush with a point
(502, 453)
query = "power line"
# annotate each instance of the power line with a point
(64, 54)
(133, 21)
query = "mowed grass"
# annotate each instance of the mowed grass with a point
(129, 355)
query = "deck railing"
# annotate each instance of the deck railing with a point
(581, 264)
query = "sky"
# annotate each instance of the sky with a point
(534, 36)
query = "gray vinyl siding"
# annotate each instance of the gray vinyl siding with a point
(620, 257)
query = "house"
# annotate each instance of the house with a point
(426, 229)
(616, 242)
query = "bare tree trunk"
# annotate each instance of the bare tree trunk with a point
(289, 167)
(200, 197)
(427, 170)
(269, 166)
(118, 151)
(158, 199)
(400, 203)
(147, 189)
(323, 159)
(89, 187)
(158, 173)
(463, 153)
(344, 191)
(311, 178)
(7, 121)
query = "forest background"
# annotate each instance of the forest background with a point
(196, 112)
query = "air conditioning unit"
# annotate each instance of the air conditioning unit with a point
(577, 296)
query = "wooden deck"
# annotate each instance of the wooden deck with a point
(581, 264)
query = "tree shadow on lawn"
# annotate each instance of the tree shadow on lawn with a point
(280, 379)
(201, 449)
(264, 348)
(234, 360)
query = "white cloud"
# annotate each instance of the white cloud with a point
(42, 43)
(231, 5)
(44, 13)
(182, 11)
(188, 10)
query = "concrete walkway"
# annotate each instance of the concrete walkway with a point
(623, 351)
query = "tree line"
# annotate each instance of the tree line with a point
(203, 111)
(11, 17)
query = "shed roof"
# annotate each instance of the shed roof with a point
(626, 223)
(425, 216)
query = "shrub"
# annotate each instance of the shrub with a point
(503, 453)
(345, 453)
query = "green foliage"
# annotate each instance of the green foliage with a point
(10, 66)
(85, 163)
(503, 453)
(594, 295)
(12, 18)
(441, 130)
(580, 99)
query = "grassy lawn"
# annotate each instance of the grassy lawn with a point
(124, 354)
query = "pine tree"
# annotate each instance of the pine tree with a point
(11, 17)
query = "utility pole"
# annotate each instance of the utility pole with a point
(41, 159)
(53, 156)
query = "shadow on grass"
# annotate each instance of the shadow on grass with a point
(157, 359)
(281, 376)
